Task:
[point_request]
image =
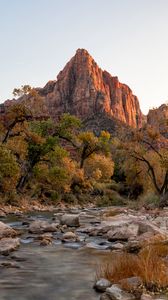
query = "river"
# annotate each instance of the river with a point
(54, 272)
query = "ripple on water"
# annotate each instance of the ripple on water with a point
(51, 273)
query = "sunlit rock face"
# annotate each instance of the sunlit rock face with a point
(84, 90)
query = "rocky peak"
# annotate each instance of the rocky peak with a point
(84, 90)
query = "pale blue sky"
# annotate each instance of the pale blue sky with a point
(128, 38)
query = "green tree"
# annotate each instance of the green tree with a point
(90, 144)
(9, 170)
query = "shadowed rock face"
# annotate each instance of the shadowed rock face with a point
(84, 90)
(158, 118)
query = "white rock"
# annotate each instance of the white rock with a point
(102, 284)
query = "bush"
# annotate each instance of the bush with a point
(12, 198)
(150, 265)
(55, 196)
(70, 198)
(111, 198)
(149, 200)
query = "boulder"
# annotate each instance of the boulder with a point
(8, 245)
(115, 292)
(134, 283)
(102, 284)
(125, 232)
(147, 226)
(70, 220)
(6, 231)
(39, 226)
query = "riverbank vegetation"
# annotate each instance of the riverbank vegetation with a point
(145, 271)
(59, 161)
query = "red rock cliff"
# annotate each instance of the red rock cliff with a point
(84, 90)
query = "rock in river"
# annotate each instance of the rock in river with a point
(8, 245)
(123, 232)
(39, 226)
(116, 293)
(70, 220)
(6, 231)
(102, 284)
(70, 236)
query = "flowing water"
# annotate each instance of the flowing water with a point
(54, 272)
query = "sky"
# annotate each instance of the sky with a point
(128, 38)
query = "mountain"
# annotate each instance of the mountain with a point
(86, 91)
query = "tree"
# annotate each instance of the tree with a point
(148, 151)
(24, 90)
(90, 144)
(37, 148)
(42, 138)
(56, 173)
(99, 167)
(9, 170)
(16, 114)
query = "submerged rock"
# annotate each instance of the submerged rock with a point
(9, 264)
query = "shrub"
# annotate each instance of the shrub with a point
(111, 198)
(149, 200)
(70, 198)
(150, 265)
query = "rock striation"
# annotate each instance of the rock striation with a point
(84, 90)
